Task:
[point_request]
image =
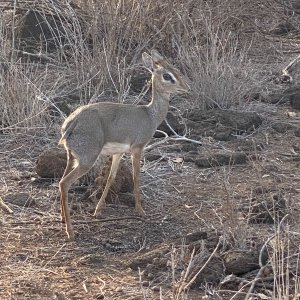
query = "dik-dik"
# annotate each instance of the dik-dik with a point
(114, 129)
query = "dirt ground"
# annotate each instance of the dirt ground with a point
(189, 210)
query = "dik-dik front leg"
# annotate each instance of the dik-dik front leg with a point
(136, 154)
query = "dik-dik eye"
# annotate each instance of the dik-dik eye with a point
(168, 77)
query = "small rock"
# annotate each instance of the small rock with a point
(239, 120)
(20, 199)
(222, 125)
(51, 163)
(239, 262)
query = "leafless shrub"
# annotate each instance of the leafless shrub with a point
(19, 101)
(284, 261)
(94, 46)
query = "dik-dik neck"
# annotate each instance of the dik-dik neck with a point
(159, 105)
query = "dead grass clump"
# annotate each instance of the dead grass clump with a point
(88, 49)
(20, 87)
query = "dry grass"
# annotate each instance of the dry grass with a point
(92, 52)
(37, 262)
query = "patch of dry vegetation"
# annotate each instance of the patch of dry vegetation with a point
(56, 55)
(92, 49)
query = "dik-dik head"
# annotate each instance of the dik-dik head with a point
(166, 78)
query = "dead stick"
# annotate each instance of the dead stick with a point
(5, 207)
(285, 75)
(109, 220)
(39, 222)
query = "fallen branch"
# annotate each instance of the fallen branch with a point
(167, 138)
(5, 207)
(40, 222)
(154, 145)
(109, 220)
(41, 56)
(285, 76)
(178, 137)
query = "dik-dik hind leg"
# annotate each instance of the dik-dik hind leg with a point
(70, 163)
(116, 158)
(136, 157)
(64, 186)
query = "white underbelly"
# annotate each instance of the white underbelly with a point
(114, 148)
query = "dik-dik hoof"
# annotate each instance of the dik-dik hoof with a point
(71, 235)
(97, 215)
(98, 212)
(71, 238)
(140, 211)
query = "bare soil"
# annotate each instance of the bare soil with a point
(189, 209)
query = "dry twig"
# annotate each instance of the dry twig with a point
(5, 207)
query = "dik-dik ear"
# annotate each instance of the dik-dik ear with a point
(148, 61)
(156, 56)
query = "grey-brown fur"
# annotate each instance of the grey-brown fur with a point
(114, 129)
